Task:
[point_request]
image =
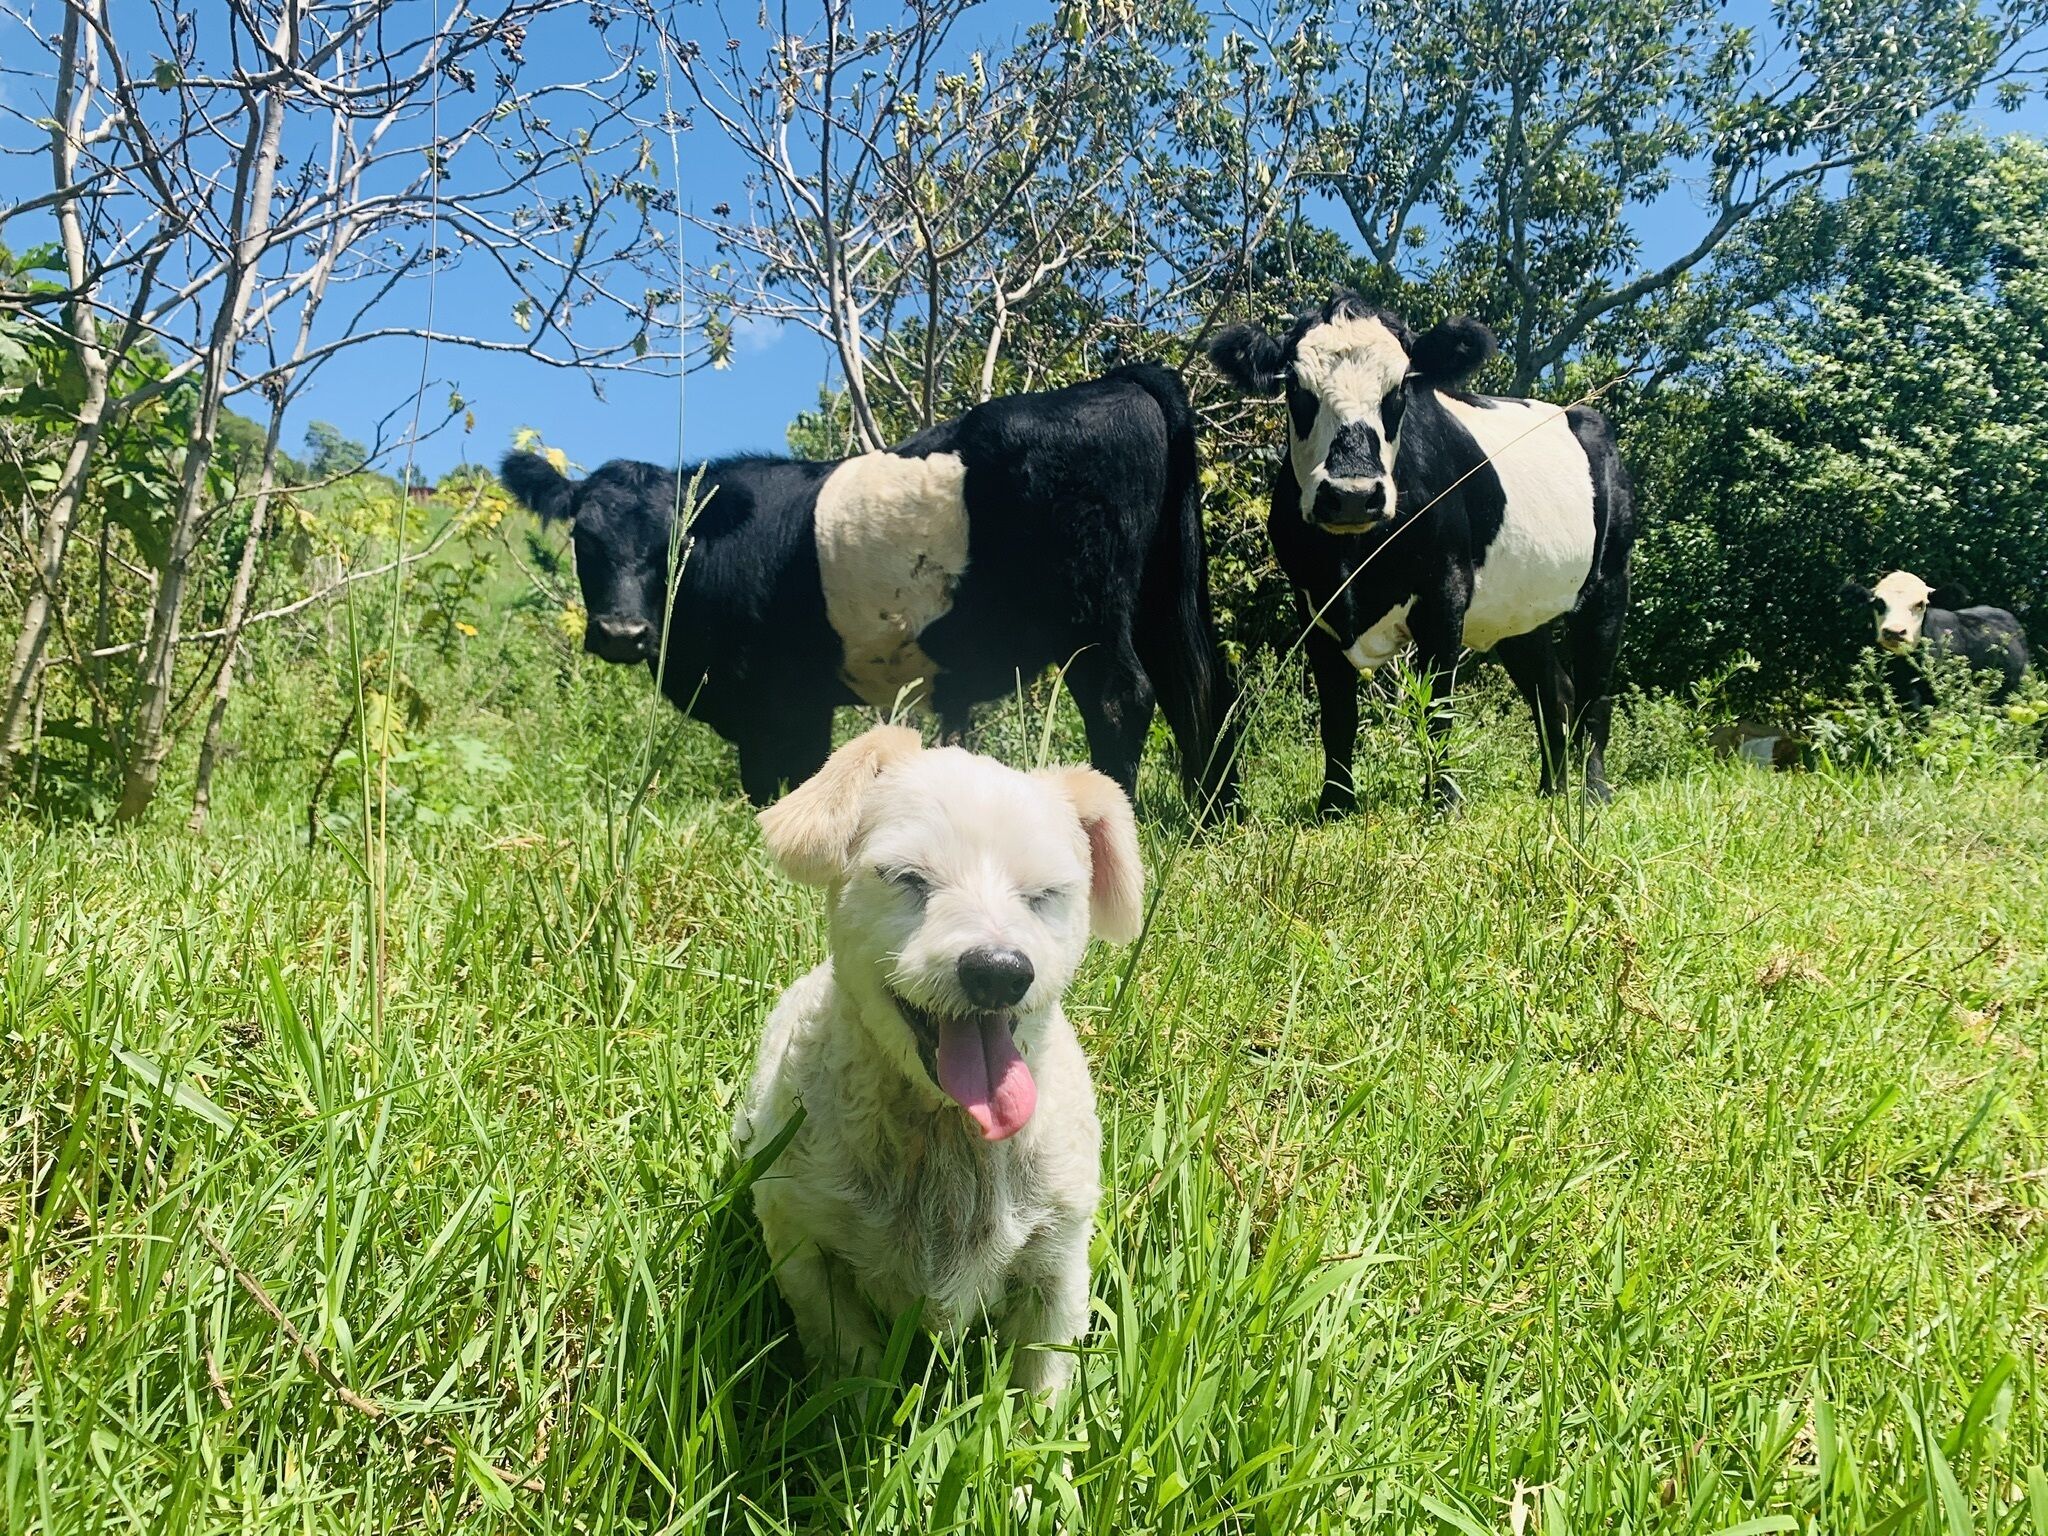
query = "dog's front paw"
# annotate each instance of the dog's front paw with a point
(1032, 1486)
(1028, 1490)
(1042, 1369)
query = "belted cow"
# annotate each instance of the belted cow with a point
(1034, 531)
(1408, 511)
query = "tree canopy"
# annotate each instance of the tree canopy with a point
(1887, 410)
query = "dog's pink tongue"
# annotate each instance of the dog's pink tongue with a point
(980, 1068)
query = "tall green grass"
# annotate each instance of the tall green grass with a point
(1679, 1168)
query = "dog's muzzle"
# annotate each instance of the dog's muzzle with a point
(974, 1060)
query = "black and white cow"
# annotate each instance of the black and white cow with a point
(1910, 613)
(1407, 511)
(1034, 531)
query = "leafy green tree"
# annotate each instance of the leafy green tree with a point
(1512, 152)
(949, 222)
(1120, 179)
(191, 234)
(1890, 410)
(330, 453)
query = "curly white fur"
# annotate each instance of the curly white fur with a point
(890, 1196)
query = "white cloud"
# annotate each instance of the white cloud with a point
(752, 333)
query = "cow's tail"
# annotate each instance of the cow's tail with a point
(1176, 635)
(537, 485)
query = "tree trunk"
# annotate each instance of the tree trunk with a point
(79, 56)
(255, 182)
(259, 514)
(105, 753)
(238, 609)
(25, 669)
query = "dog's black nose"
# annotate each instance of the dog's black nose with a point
(994, 975)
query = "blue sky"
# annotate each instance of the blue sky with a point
(774, 374)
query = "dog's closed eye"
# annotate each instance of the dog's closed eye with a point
(910, 880)
(1051, 899)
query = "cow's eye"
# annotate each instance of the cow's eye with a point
(1921, 606)
(909, 880)
(1301, 408)
(1390, 410)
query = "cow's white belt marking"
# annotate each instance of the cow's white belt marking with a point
(892, 547)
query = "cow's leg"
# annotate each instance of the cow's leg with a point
(1115, 699)
(1176, 642)
(953, 706)
(1596, 642)
(782, 751)
(1908, 685)
(1337, 708)
(1439, 640)
(1532, 661)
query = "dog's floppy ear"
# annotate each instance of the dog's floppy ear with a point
(1116, 873)
(810, 831)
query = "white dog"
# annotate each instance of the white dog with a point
(949, 1155)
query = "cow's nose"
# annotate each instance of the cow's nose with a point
(1889, 633)
(1359, 503)
(617, 639)
(994, 975)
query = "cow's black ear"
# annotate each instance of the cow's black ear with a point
(537, 485)
(1249, 358)
(1451, 350)
(1856, 592)
(1949, 595)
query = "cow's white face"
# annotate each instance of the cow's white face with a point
(1346, 389)
(1349, 372)
(1901, 603)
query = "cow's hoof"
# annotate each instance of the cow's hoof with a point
(1336, 803)
(1444, 798)
(1598, 792)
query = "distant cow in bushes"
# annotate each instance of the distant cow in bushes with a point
(1914, 618)
(1030, 532)
(1409, 511)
